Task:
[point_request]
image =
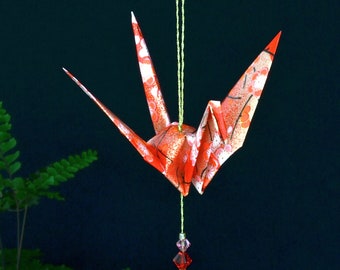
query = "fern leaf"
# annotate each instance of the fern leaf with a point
(14, 167)
(8, 159)
(7, 145)
(59, 172)
(4, 136)
(17, 192)
(12, 157)
(4, 127)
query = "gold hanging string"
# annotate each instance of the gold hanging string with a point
(180, 76)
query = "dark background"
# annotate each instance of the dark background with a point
(273, 205)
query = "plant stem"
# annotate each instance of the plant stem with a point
(22, 235)
(20, 232)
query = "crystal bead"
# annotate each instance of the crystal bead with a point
(183, 244)
(182, 260)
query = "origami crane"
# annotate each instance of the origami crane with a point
(190, 155)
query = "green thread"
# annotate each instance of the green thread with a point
(182, 213)
(180, 82)
(182, 70)
(178, 61)
(180, 28)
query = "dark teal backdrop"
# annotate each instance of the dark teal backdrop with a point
(273, 205)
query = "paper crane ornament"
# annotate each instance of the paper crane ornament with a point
(194, 156)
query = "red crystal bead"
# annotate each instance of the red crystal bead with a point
(182, 260)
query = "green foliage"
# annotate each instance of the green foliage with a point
(20, 193)
(8, 157)
(30, 260)
(28, 191)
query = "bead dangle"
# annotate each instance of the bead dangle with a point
(182, 260)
